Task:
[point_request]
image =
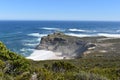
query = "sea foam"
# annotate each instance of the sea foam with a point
(36, 34)
(95, 35)
(78, 30)
(31, 44)
(48, 28)
(26, 49)
(78, 35)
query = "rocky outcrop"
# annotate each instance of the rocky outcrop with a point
(69, 46)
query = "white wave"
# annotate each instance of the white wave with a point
(55, 29)
(25, 49)
(37, 35)
(79, 35)
(109, 35)
(32, 40)
(99, 34)
(47, 28)
(78, 30)
(31, 44)
(39, 39)
(44, 55)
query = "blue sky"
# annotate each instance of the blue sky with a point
(100, 10)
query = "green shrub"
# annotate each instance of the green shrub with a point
(62, 66)
(43, 74)
(24, 76)
(13, 63)
(88, 76)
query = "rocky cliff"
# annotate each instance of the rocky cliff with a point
(68, 46)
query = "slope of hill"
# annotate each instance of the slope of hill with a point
(99, 63)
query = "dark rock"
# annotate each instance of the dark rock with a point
(69, 46)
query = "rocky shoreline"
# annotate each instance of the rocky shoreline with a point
(69, 46)
(72, 47)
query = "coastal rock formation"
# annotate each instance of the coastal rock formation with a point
(68, 46)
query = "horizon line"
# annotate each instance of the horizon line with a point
(67, 20)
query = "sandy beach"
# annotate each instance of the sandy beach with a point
(44, 55)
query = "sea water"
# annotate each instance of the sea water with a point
(23, 36)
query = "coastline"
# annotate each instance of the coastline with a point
(38, 55)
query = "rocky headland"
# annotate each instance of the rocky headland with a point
(68, 46)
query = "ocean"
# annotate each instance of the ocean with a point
(23, 36)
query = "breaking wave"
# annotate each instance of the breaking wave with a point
(36, 34)
(79, 35)
(93, 35)
(78, 30)
(54, 29)
(31, 44)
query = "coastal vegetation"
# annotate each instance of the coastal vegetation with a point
(11, 64)
(94, 66)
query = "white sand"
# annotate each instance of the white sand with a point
(44, 55)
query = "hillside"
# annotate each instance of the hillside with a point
(11, 64)
(99, 63)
